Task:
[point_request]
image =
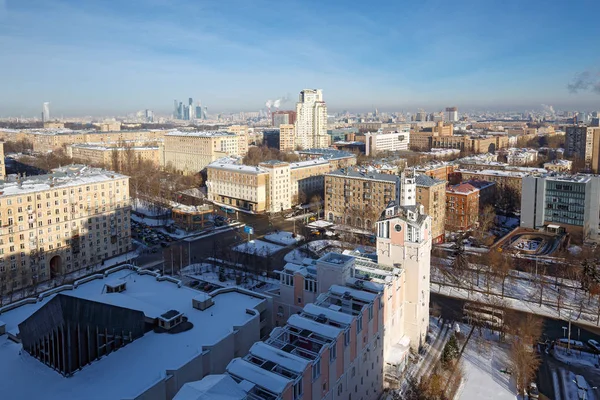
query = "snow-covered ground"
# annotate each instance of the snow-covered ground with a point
(575, 357)
(318, 245)
(152, 221)
(284, 238)
(575, 386)
(482, 361)
(147, 208)
(259, 248)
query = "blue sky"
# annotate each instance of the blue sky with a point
(107, 56)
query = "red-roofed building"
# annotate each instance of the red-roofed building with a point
(462, 207)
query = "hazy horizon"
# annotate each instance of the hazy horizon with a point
(115, 58)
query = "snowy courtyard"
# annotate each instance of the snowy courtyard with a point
(259, 248)
(483, 360)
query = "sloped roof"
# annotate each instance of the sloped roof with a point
(426, 180)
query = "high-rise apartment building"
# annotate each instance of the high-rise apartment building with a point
(46, 112)
(583, 142)
(569, 202)
(451, 114)
(287, 133)
(70, 219)
(431, 193)
(311, 122)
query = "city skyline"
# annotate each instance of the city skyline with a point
(114, 58)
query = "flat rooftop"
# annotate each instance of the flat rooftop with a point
(128, 371)
(70, 175)
(366, 175)
(201, 134)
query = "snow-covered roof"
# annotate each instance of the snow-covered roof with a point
(249, 169)
(266, 379)
(201, 134)
(308, 163)
(314, 326)
(357, 294)
(280, 357)
(331, 314)
(68, 176)
(125, 373)
(100, 147)
(212, 387)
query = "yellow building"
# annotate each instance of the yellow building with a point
(70, 219)
(242, 132)
(307, 179)
(431, 193)
(100, 155)
(54, 125)
(191, 152)
(45, 141)
(287, 134)
(191, 218)
(109, 126)
(358, 198)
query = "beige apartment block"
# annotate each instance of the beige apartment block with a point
(240, 186)
(308, 179)
(358, 198)
(54, 125)
(242, 132)
(106, 156)
(70, 219)
(431, 193)
(45, 141)
(190, 152)
(287, 134)
(109, 126)
(278, 185)
(311, 120)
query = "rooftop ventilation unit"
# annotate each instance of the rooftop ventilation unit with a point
(321, 319)
(170, 319)
(115, 286)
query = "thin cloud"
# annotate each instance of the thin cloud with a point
(585, 81)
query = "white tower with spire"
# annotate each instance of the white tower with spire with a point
(404, 240)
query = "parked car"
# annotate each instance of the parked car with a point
(533, 391)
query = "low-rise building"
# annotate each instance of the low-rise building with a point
(437, 170)
(431, 193)
(192, 218)
(571, 203)
(107, 156)
(559, 165)
(462, 207)
(380, 141)
(68, 220)
(337, 158)
(516, 156)
(357, 198)
(125, 334)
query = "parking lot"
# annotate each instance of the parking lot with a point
(150, 236)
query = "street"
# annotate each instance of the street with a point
(452, 308)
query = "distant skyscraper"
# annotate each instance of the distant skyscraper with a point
(421, 116)
(205, 115)
(190, 101)
(311, 120)
(149, 115)
(46, 112)
(198, 111)
(175, 110)
(451, 114)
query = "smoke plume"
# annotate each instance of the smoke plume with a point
(585, 81)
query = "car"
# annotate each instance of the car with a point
(533, 391)
(155, 250)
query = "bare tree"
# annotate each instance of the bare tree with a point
(501, 266)
(487, 219)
